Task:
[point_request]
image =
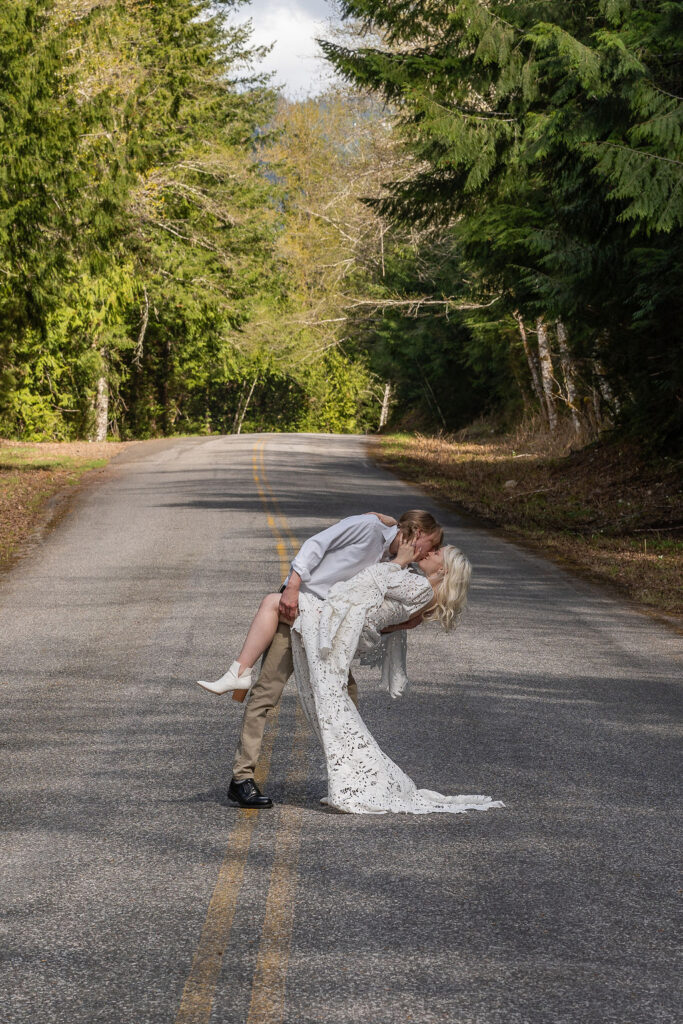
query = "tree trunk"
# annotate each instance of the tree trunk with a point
(431, 397)
(238, 412)
(101, 410)
(137, 355)
(608, 396)
(610, 400)
(166, 390)
(384, 414)
(597, 412)
(533, 369)
(569, 374)
(242, 408)
(521, 387)
(546, 372)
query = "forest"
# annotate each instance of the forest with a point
(481, 218)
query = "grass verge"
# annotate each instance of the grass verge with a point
(31, 474)
(606, 510)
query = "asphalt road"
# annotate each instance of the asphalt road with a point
(132, 892)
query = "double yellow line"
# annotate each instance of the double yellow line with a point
(197, 999)
(273, 510)
(268, 987)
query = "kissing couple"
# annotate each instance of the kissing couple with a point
(353, 589)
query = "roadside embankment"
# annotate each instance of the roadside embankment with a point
(31, 474)
(605, 510)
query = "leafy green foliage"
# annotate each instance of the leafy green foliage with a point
(140, 231)
(547, 137)
(208, 258)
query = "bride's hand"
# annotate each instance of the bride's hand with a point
(405, 554)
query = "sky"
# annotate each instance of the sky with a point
(292, 26)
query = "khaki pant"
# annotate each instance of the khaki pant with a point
(263, 697)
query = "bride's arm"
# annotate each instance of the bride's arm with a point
(410, 590)
(410, 623)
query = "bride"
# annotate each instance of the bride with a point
(326, 636)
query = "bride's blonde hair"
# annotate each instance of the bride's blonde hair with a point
(451, 593)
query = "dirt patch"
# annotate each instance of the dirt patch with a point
(37, 453)
(608, 509)
(33, 474)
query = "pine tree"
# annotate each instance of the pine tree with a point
(40, 180)
(548, 136)
(166, 224)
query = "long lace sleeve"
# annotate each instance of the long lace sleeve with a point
(352, 601)
(406, 594)
(387, 652)
(409, 592)
(403, 594)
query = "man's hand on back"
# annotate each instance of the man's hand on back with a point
(289, 599)
(411, 623)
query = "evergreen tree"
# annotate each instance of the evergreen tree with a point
(548, 136)
(167, 297)
(40, 180)
(166, 242)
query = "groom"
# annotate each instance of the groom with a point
(331, 556)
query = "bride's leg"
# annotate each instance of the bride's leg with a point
(261, 632)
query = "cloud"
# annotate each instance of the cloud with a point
(295, 58)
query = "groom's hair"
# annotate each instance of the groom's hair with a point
(417, 519)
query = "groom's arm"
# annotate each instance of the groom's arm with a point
(410, 623)
(355, 530)
(385, 519)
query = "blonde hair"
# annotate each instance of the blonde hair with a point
(417, 519)
(451, 593)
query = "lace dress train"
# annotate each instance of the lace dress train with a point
(325, 638)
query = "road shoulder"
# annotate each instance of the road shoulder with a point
(620, 567)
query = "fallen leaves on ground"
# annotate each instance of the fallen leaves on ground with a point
(609, 509)
(31, 473)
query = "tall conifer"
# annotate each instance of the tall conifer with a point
(549, 136)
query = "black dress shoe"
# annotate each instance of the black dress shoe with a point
(247, 794)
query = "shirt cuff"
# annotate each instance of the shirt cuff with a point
(301, 570)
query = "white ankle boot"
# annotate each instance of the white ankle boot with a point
(230, 681)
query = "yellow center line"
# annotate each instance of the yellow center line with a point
(261, 484)
(276, 504)
(198, 994)
(270, 976)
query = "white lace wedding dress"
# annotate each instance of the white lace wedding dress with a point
(325, 638)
